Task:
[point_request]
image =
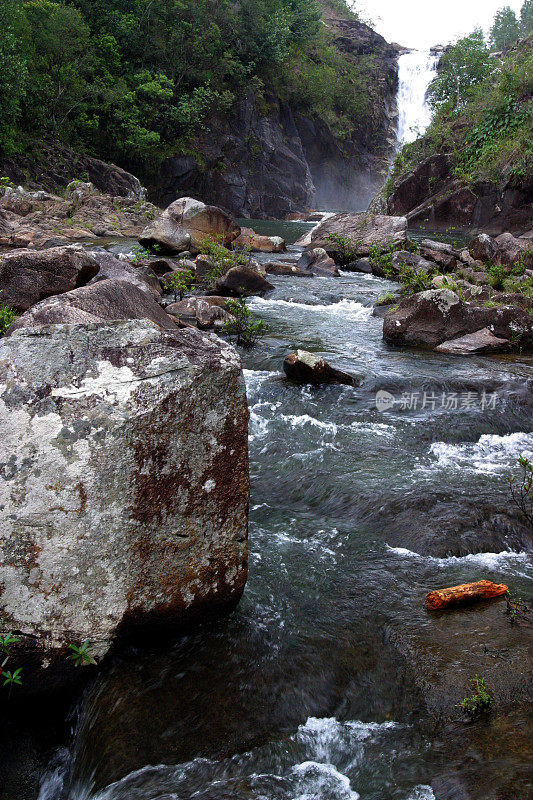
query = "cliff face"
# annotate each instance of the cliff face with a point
(270, 158)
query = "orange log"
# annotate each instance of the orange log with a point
(465, 593)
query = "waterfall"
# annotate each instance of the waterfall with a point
(416, 71)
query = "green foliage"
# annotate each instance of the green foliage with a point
(13, 74)
(414, 281)
(481, 700)
(505, 29)
(11, 677)
(462, 68)
(526, 18)
(223, 259)
(82, 655)
(343, 248)
(521, 487)
(243, 328)
(180, 282)
(516, 609)
(8, 316)
(497, 275)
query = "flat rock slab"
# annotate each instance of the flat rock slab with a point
(362, 231)
(480, 342)
(464, 594)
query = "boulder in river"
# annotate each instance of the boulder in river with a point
(27, 276)
(125, 491)
(309, 368)
(242, 281)
(360, 232)
(428, 319)
(317, 262)
(464, 594)
(259, 244)
(199, 311)
(108, 300)
(280, 268)
(186, 223)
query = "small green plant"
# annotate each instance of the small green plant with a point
(242, 328)
(82, 655)
(5, 183)
(140, 254)
(223, 259)
(497, 275)
(8, 316)
(413, 280)
(180, 282)
(386, 299)
(343, 248)
(521, 487)
(480, 702)
(515, 608)
(11, 677)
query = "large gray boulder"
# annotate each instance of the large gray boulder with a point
(123, 484)
(186, 223)
(242, 281)
(511, 251)
(104, 301)
(428, 319)
(27, 276)
(362, 232)
(480, 342)
(112, 268)
(317, 262)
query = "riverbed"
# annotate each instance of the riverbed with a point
(312, 688)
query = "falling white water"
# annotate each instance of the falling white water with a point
(416, 71)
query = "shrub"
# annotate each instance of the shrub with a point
(11, 677)
(223, 259)
(414, 281)
(481, 700)
(8, 316)
(179, 283)
(342, 248)
(243, 329)
(521, 487)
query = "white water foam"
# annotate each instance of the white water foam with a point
(491, 454)
(492, 561)
(348, 309)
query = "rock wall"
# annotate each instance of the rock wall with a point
(270, 160)
(123, 482)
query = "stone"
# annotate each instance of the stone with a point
(464, 594)
(112, 268)
(259, 244)
(363, 231)
(105, 301)
(482, 341)
(200, 311)
(428, 319)
(446, 261)
(317, 262)
(483, 248)
(363, 265)
(242, 281)
(404, 258)
(186, 223)
(511, 250)
(28, 276)
(291, 270)
(124, 489)
(309, 368)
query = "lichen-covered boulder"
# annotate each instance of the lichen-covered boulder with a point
(123, 482)
(428, 319)
(186, 223)
(307, 367)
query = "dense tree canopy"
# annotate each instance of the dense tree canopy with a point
(505, 29)
(131, 80)
(461, 69)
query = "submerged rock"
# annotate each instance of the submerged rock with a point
(27, 276)
(186, 223)
(309, 368)
(124, 489)
(279, 268)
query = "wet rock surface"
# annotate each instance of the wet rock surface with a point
(362, 231)
(310, 368)
(107, 525)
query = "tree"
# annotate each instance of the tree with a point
(13, 72)
(526, 18)
(505, 30)
(462, 68)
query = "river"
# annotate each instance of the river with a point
(305, 691)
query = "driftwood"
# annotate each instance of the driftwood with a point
(463, 594)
